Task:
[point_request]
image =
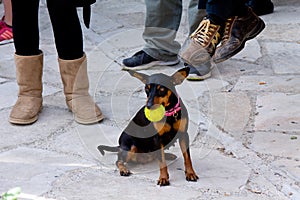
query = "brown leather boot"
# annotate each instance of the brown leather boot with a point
(29, 78)
(237, 31)
(201, 45)
(76, 86)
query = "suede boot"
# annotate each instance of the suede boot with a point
(29, 70)
(76, 88)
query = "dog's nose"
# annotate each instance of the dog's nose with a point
(150, 101)
(150, 104)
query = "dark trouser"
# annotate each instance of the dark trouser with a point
(223, 8)
(65, 24)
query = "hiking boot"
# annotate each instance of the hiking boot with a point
(237, 31)
(200, 73)
(141, 60)
(6, 34)
(261, 7)
(201, 45)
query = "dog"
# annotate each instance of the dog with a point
(143, 140)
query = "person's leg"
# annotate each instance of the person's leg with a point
(219, 10)
(29, 62)
(261, 7)
(161, 26)
(72, 61)
(6, 32)
(25, 27)
(7, 12)
(66, 28)
(201, 45)
(243, 26)
(196, 13)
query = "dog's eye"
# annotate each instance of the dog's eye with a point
(162, 91)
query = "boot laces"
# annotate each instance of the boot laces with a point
(204, 32)
(227, 28)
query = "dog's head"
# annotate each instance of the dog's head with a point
(160, 88)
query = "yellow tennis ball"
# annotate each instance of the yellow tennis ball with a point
(155, 115)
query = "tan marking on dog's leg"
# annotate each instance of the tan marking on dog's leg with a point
(164, 175)
(189, 171)
(131, 155)
(180, 125)
(122, 168)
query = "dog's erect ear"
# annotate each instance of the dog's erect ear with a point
(142, 77)
(180, 75)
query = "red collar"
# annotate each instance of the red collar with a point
(173, 111)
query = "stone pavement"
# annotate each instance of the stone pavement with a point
(244, 121)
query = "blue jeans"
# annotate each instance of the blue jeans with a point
(222, 8)
(162, 22)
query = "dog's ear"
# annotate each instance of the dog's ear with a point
(180, 75)
(142, 77)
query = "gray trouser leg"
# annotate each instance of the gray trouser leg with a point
(162, 22)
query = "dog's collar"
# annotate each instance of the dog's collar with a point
(173, 111)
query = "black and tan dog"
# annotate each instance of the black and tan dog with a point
(142, 139)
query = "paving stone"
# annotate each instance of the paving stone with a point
(278, 111)
(251, 52)
(241, 149)
(289, 166)
(13, 135)
(230, 111)
(276, 144)
(34, 170)
(285, 57)
(8, 97)
(286, 83)
(281, 17)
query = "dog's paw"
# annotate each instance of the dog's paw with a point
(163, 182)
(125, 172)
(191, 177)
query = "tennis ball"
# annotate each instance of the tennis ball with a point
(155, 115)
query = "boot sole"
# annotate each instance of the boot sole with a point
(89, 121)
(252, 35)
(152, 64)
(195, 77)
(24, 122)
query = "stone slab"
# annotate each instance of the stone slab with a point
(278, 111)
(230, 111)
(284, 57)
(50, 121)
(34, 170)
(282, 83)
(277, 144)
(251, 52)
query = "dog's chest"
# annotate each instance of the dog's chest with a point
(169, 130)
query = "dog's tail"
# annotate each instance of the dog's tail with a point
(103, 148)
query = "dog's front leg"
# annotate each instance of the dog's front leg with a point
(184, 146)
(164, 176)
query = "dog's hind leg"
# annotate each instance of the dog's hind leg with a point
(184, 146)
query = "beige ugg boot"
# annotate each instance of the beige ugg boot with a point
(76, 85)
(29, 70)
